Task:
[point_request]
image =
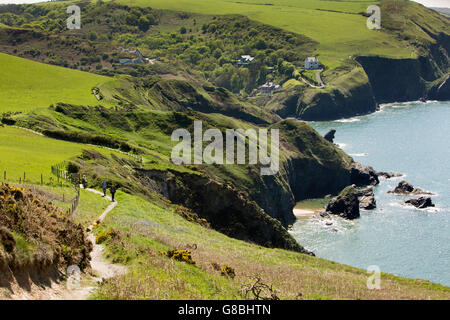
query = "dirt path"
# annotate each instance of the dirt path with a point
(101, 268)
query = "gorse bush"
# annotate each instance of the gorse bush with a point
(105, 235)
(179, 255)
(227, 271)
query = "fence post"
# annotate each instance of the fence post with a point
(4, 175)
(24, 177)
(42, 180)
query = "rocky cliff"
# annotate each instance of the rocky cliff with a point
(225, 208)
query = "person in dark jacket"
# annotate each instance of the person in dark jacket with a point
(113, 190)
(104, 187)
(84, 182)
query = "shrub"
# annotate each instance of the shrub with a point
(103, 236)
(228, 272)
(179, 255)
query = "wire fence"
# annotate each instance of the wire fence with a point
(31, 182)
(24, 178)
(60, 171)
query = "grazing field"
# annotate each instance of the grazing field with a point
(27, 85)
(336, 25)
(22, 151)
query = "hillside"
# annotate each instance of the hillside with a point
(27, 85)
(198, 231)
(361, 67)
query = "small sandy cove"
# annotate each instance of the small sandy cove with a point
(303, 213)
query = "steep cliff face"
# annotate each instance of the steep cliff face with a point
(310, 166)
(395, 80)
(380, 80)
(440, 90)
(337, 104)
(226, 209)
(347, 95)
(301, 178)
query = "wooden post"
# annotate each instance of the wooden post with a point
(20, 180)
(42, 180)
(24, 177)
(4, 175)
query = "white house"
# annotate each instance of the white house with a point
(269, 87)
(311, 63)
(245, 60)
(137, 53)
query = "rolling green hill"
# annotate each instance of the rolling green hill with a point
(338, 26)
(231, 215)
(28, 85)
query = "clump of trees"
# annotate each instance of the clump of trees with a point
(210, 50)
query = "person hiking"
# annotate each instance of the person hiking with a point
(104, 187)
(84, 182)
(113, 190)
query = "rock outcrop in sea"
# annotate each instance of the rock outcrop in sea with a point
(345, 205)
(362, 175)
(329, 136)
(366, 198)
(421, 202)
(406, 188)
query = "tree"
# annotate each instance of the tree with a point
(143, 23)
(260, 44)
(235, 83)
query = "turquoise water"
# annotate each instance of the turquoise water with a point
(409, 138)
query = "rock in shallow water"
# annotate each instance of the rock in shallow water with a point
(404, 187)
(366, 198)
(421, 202)
(346, 204)
(330, 135)
(362, 175)
(388, 175)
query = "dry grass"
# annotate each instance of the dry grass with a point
(292, 275)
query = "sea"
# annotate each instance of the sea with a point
(412, 139)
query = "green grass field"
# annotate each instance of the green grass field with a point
(22, 151)
(28, 85)
(334, 24)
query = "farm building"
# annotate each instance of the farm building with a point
(311, 63)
